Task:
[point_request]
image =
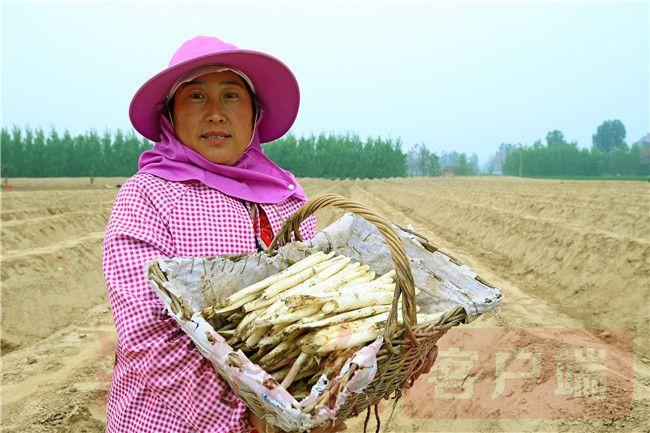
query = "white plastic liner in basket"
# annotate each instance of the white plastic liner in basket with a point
(202, 281)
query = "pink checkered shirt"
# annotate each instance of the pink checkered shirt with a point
(161, 383)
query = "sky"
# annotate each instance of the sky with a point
(455, 76)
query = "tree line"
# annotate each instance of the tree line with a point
(422, 162)
(609, 156)
(33, 153)
(339, 156)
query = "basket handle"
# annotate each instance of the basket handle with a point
(405, 285)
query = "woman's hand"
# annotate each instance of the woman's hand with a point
(262, 427)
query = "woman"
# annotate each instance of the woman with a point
(205, 189)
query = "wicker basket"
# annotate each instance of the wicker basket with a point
(403, 353)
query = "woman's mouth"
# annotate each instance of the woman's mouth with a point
(215, 137)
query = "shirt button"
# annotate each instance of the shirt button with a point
(292, 186)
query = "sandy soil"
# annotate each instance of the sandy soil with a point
(570, 254)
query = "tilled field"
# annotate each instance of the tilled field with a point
(572, 254)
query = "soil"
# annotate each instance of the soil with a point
(573, 255)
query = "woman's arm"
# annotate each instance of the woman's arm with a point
(150, 343)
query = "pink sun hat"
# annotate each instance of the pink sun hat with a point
(274, 83)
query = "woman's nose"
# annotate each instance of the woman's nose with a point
(215, 112)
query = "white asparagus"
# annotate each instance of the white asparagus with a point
(370, 286)
(351, 266)
(246, 322)
(368, 276)
(355, 268)
(343, 317)
(354, 299)
(230, 306)
(363, 336)
(327, 303)
(236, 317)
(344, 335)
(270, 340)
(288, 283)
(300, 300)
(300, 265)
(327, 263)
(337, 280)
(295, 368)
(389, 275)
(341, 330)
(324, 272)
(341, 269)
(277, 351)
(294, 315)
(371, 291)
(379, 288)
(252, 340)
(375, 314)
(258, 304)
(314, 317)
(358, 300)
(287, 358)
(278, 328)
(303, 288)
(385, 279)
(274, 336)
(347, 273)
(269, 311)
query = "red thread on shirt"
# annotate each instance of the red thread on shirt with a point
(266, 232)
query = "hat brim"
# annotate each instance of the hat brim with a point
(275, 85)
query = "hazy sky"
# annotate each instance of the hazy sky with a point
(456, 76)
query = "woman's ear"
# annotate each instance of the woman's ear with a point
(169, 111)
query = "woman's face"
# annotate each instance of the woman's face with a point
(213, 115)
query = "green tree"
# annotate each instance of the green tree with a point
(609, 136)
(39, 164)
(560, 158)
(427, 163)
(422, 162)
(463, 167)
(473, 163)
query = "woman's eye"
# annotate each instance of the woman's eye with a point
(231, 95)
(196, 95)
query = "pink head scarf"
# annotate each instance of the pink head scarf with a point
(253, 178)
